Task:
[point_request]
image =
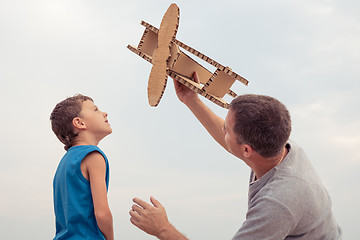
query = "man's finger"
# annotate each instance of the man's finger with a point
(134, 220)
(196, 78)
(176, 83)
(133, 214)
(137, 209)
(141, 203)
(155, 202)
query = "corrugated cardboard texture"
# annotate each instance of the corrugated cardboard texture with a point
(158, 76)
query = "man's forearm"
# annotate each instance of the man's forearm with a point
(212, 123)
(170, 233)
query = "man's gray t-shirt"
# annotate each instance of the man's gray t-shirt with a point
(289, 202)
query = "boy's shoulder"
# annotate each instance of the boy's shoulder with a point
(84, 148)
(82, 151)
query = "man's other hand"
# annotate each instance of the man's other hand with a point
(152, 219)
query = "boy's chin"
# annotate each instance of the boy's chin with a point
(106, 133)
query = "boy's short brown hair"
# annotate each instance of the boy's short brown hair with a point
(62, 116)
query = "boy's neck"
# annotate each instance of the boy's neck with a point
(84, 139)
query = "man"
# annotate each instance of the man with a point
(286, 198)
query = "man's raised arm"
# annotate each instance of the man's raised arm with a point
(212, 123)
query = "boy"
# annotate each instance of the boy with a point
(82, 177)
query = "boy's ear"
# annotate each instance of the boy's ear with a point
(78, 123)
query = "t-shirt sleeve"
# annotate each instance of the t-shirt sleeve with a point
(266, 219)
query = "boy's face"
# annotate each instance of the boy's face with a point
(95, 120)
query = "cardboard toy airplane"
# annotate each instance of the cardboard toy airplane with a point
(162, 49)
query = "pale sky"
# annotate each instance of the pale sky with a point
(305, 53)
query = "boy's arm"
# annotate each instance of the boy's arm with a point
(95, 166)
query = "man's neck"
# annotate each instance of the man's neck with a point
(262, 165)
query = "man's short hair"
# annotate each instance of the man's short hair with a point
(62, 116)
(262, 122)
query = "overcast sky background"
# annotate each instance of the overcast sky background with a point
(305, 53)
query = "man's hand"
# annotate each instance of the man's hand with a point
(186, 95)
(151, 219)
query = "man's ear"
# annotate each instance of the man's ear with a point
(247, 151)
(78, 123)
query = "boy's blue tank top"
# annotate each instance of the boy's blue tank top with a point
(73, 205)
